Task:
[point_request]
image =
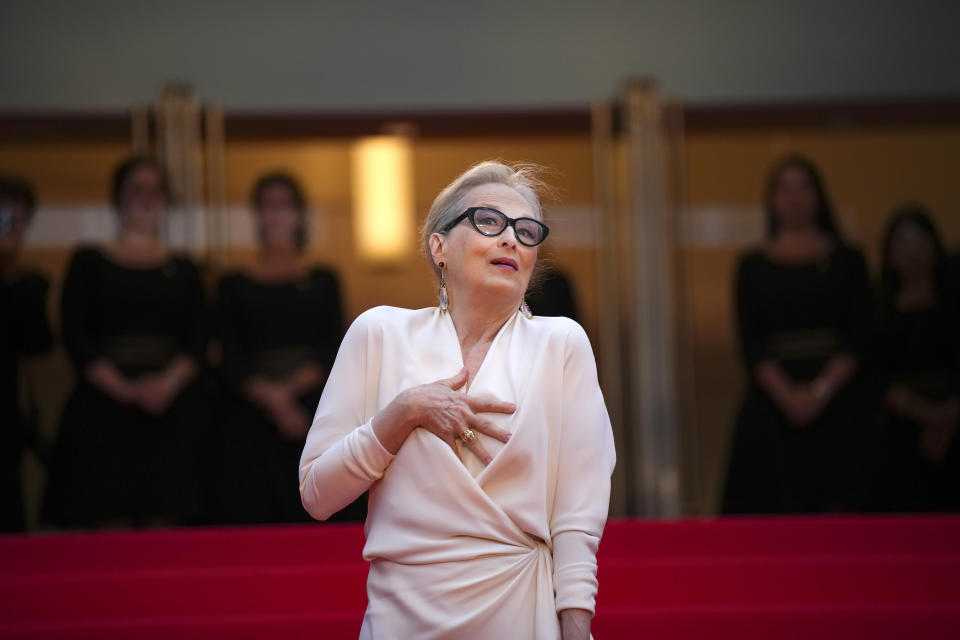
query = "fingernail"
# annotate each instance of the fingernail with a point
(488, 461)
(508, 436)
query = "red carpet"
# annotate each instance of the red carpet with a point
(856, 577)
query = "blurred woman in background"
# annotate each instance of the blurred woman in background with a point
(919, 356)
(804, 309)
(24, 331)
(280, 324)
(132, 317)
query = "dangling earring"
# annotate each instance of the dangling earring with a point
(525, 310)
(442, 292)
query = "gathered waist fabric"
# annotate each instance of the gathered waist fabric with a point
(493, 590)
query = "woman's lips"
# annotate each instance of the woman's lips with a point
(504, 262)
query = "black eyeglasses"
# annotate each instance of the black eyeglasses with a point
(490, 222)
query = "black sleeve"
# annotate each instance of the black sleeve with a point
(29, 309)
(330, 321)
(749, 324)
(237, 365)
(81, 335)
(194, 332)
(856, 332)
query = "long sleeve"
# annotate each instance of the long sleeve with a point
(195, 331)
(752, 343)
(330, 323)
(29, 308)
(857, 328)
(586, 462)
(342, 456)
(77, 324)
(237, 364)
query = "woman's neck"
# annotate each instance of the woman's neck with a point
(277, 263)
(800, 233)
(137, 239)
(279, 255)
(478, 323)
(917, 291)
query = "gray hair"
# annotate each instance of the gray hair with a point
(449, 203)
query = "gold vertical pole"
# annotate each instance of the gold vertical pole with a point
(652, 334)
(178, 149)
(608, 298)
(216, 185)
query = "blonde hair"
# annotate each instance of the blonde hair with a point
(449, 203)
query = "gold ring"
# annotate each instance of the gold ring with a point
(468, 436)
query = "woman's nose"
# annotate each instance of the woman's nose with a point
(508, 238)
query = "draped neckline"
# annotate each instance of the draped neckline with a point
(479, 377)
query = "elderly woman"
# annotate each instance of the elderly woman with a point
(480, 432)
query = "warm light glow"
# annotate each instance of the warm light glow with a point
(382, 177)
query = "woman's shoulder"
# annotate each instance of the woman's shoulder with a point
(182, 258)
(554, 324)
(30, 278)
(322, 274)
(846, 252)
(564, 332)
(86, 253)
(387, 317)
(752, 256)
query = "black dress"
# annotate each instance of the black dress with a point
(24, 331)
(114, 461)
(799, 316)
(270, 329)
(920, 350)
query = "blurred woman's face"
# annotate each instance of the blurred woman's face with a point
(280, 220)
(912, 251)
(142, 200)
(479, 266)
(794, 199)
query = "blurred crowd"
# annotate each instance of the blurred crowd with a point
(854, 382)
(192, 403)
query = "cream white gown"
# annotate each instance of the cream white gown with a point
(457, 550)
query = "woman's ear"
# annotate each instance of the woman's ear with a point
(438, 247)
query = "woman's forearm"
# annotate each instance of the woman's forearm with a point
(838, 371)
(102, 374)
(394, 423)
(305, 378)
(575, 624)
(774, 380)
(181, 371)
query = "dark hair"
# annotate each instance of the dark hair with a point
(125, 170)
(19, 190)
(919, 216)
(824, 213)
(299, 200)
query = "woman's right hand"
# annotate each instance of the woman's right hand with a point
(439, 408)
(279, 402)
(102, 374)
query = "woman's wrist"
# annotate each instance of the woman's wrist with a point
(102, 374)
(397, 420)
(821, 388)
(575, 624)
